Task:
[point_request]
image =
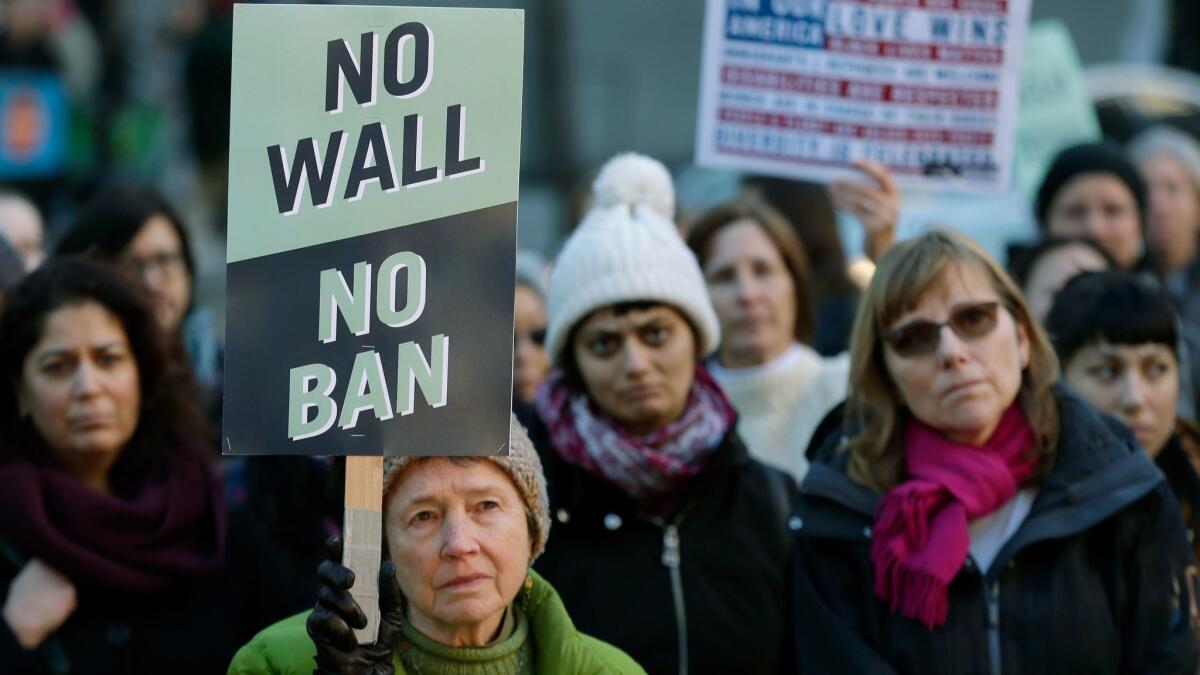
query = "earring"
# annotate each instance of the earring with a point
(528, 587)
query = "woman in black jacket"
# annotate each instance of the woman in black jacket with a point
(1117, 337)
(116, 551)
(973, 517)
(298, 500)
(670, 542)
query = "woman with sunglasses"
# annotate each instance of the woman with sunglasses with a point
(975, 517)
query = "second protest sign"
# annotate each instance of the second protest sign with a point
(802, 88)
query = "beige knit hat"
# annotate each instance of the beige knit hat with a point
(522, 465)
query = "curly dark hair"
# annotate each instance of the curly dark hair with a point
(170, 420)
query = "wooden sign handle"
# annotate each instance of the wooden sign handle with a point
(363, 537)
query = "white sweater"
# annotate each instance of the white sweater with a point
(780, 403)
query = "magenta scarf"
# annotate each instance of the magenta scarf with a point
(920, 538)
(644, 467)
(174, 527)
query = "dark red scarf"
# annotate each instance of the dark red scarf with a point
(173, 527)
(920, 538)
(644, 467)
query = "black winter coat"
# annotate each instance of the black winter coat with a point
(193, 628)
(705, 593)
(1095, 580)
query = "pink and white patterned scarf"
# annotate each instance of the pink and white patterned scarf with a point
(645, 467)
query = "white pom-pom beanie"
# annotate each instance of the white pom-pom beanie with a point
(627, 249)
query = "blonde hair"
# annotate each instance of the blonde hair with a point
(873, 410)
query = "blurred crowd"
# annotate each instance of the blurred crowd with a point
(728, 453)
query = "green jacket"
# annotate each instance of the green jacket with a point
(286, 649)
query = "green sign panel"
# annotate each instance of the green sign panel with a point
(373, 175)
(1055, 109)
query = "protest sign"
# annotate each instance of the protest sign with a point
(1055, 109)
(802, 88)
(373, 168)
(373, 173)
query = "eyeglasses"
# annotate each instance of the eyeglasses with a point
(921, 338)
(165, 263)
(537, 337)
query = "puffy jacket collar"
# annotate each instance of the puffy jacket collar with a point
(831, 482)
(560, 647)
(1098, 470)
(1098, 461)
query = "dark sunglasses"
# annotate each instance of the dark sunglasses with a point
(538, 337)
(920, 338)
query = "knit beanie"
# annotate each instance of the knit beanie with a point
(1089, 158)
(531, 272)
(1180, 145)
(522, 465)
(627, 249)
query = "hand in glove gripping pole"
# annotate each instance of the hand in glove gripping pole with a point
(332, 622)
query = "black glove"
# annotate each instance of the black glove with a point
(336, 614)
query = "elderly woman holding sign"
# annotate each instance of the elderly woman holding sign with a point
(672, 541)
(115, 548)
(976, 518)
(456, 594)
